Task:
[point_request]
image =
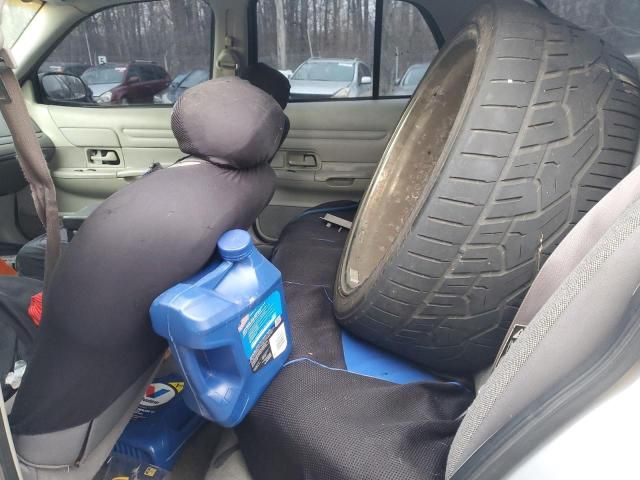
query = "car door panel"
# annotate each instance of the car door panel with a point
(345, 139)
(16, 207)
(89, 137)
(137, 137)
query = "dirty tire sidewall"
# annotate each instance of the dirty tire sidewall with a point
(548, 125)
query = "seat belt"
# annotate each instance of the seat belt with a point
(36, 171)
(9, 469)
(30, 156)
(578, 242)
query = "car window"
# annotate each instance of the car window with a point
(133, 72)
(325, 71)
(408, 47)
(318, 43)
(177, 80)
(616, 21)
(414, 75)
(326, 47)
(104, 74)
(157, 72)
(160, 73)
(154, 40)
(194, 78)
(148, 74)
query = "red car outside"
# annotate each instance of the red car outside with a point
(124, 83)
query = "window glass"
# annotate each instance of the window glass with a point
(616, 21)
(148, 74)
(104, 74)
(194, 78)
(154, 41)
(178, 79)
(325, 71)
(408, 47)
(318, 43)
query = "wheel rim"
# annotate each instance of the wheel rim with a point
(403, 177)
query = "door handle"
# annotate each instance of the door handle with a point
(305, 160)
(104, 157)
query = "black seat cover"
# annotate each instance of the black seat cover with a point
(18, 330)
(274, 83)
(96, 340)
(30, 258)
(318, 420)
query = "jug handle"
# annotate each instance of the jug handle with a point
(199, 379)
(213, 278)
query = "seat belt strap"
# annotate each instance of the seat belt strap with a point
(9, 469)
(577, 244)
(30, 157)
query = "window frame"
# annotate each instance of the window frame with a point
(253, 46)
(32, 73)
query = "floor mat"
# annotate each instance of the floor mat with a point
(195, 458)
(317, 420)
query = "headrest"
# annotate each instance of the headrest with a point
(269, 80)
(228, 121)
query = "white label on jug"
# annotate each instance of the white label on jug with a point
(259, 327)
(157, 394)
(278, 341)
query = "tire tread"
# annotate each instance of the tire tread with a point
(536, 153)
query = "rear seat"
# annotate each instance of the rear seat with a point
(353, 403)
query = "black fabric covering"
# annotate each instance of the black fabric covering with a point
(269, 80)
(315, 422)
(242, 130)
(274, 83)
(30, 258)
(17, 330)
(96, 337)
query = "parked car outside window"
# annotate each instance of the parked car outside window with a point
(126, 83)
(330, 78)
(179, 85)
(76, 69)
(410, 79)
(127, 53)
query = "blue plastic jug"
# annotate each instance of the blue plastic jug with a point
(228, 329)
(161, 425)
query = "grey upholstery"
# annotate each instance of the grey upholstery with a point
(59, 455)
(574, 309)
(228, 462)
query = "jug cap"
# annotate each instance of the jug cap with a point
(235, 245)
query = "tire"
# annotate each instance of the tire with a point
(521, 125)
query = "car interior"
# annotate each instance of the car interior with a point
(418, 260)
